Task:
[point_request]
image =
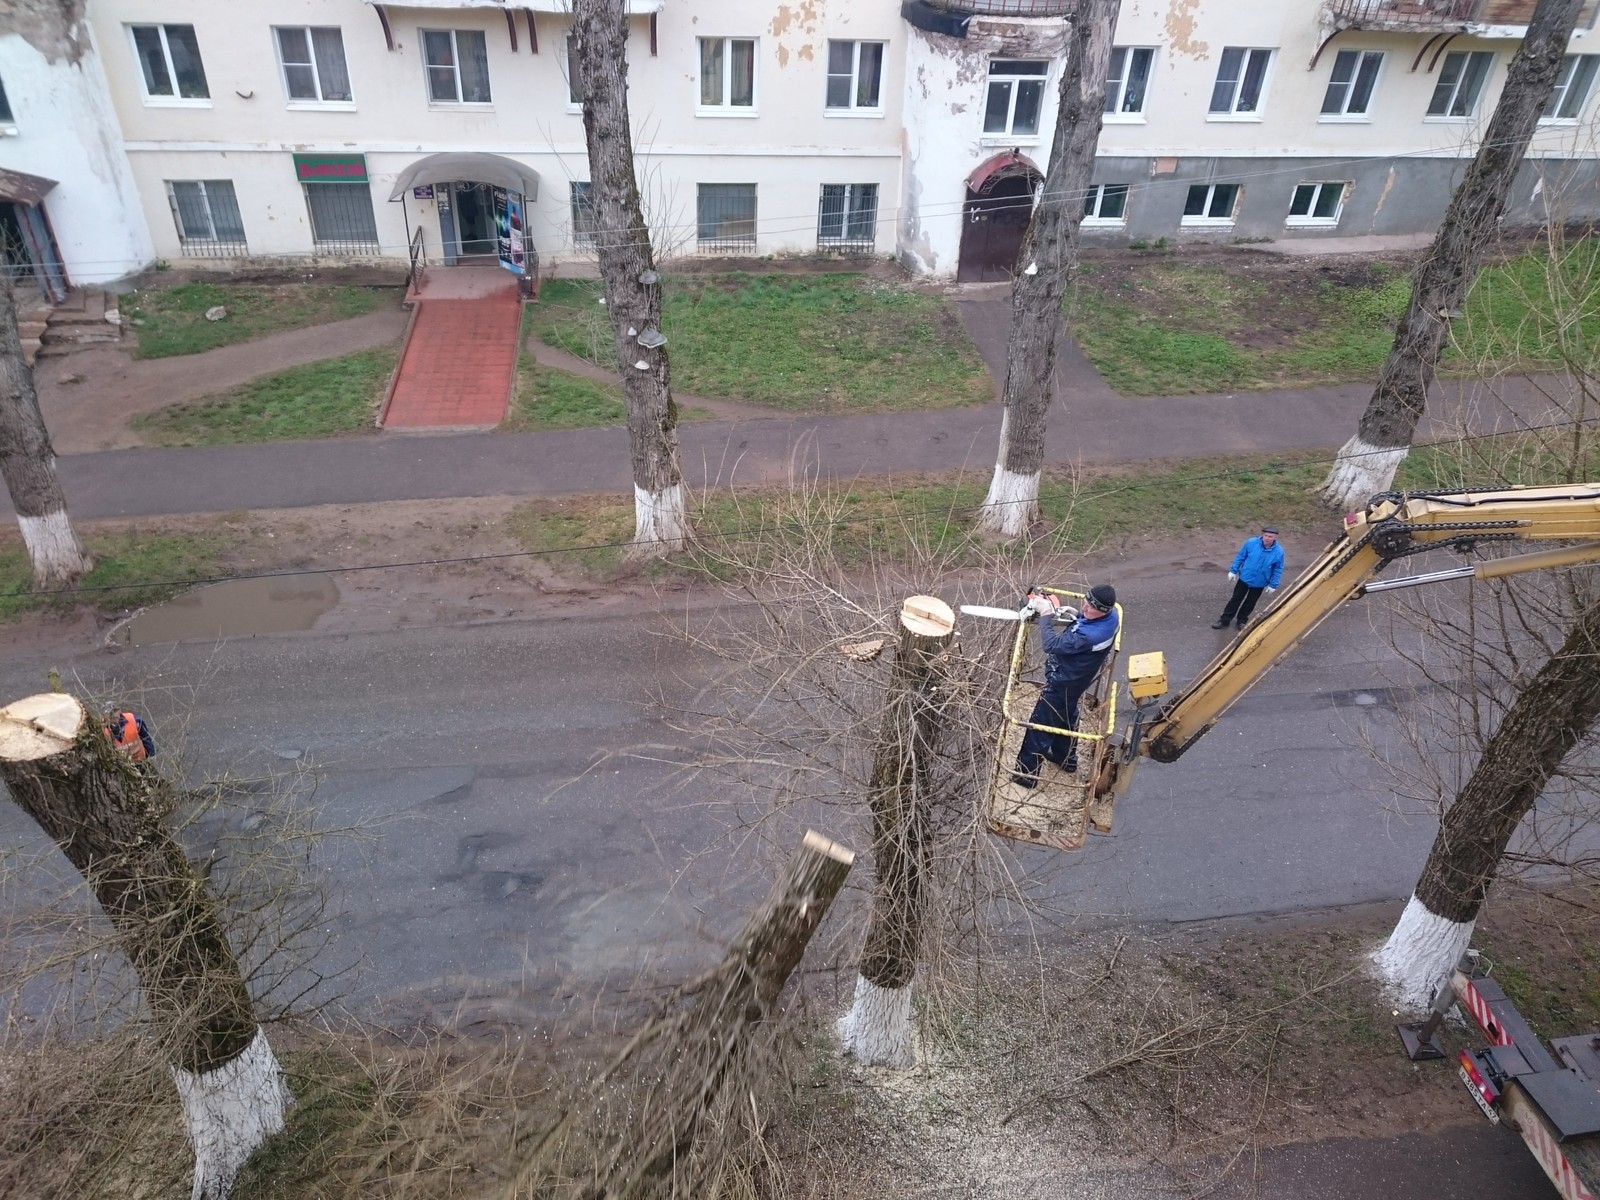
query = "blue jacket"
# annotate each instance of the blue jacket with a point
(1074, 650)
(1257, 566)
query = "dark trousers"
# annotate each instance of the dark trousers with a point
(1058, 706)
(1242, 603)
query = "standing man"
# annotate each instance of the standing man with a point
(1257, 566)
(1075, 646)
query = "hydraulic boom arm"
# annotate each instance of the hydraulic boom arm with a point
(1394, 526)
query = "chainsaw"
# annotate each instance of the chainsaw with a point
(1027, 612)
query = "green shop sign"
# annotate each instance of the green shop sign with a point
(330, 168)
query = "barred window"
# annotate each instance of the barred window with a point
(342, 220)
(582, 215)
(206, 212)
(849, 216)
(726, 216)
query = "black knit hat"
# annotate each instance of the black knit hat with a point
(1272, 529)
(1103, 596)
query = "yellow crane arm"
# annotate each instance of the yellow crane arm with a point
(1394, 526)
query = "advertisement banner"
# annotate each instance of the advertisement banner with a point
(330, 168)
(508, 225)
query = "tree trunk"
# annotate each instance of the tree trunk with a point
(29, 464)
(1368, 461)
(877, 1029)
(1547, 719)
(632, 284)
(1045, 264)
(711, 1042)
(107, 814)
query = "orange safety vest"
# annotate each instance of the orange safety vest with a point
(125, 736)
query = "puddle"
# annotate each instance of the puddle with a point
(242, 608)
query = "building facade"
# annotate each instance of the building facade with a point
(335, 131)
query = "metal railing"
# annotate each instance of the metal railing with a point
(1008, 8)
(419, 260)
(1441, 14)
(726, 216)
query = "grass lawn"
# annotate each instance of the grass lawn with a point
(321, 399)
(175, 318)
(157, 565)
(1170, 326)
(809, 343)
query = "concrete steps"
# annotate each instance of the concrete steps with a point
(78, 321)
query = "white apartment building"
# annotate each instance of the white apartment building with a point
(331, 131)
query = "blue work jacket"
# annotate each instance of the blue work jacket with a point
(1074, 650)
(1257, 566)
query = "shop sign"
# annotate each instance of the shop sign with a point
(330, 168)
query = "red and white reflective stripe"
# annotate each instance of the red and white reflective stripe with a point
(1553, 1161)
(1479, 1008)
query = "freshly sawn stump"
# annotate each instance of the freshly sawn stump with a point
(108, 814)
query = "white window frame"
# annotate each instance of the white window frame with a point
(570, 69)
(1571, 66)
(715, 244)
(582, 239)
(292, 101)
(1201, 221)
(852, 191)
(1233, 112)
(1009, 135)
(1344, 115)
(455, 54)
(174, 100)
(1466, 57)
(1116, 114)
(1313, 222)
(1095, 200)
(194, 247)
(853, 109)
(727, 108)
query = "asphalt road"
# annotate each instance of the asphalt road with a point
(525, 827)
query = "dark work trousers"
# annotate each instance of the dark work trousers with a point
(1242, 603)
(1057, 705)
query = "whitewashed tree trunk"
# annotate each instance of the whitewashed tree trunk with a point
(878, 1028)
(1448, 270)
(632, 283)
(1044, 268)
(107, 815)
(230, 1111)
(29, 464)
(1421, 949)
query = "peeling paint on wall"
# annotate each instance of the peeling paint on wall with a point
(1383, 196)
(1181, 20)
(54, 28)
(802, 20)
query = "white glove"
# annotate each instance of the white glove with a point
(1232, 578)
(1040, 605)
(1270, 590)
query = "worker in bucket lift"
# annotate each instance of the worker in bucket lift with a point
(1075, 646)
(130, 734)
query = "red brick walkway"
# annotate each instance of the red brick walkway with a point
(457, 367)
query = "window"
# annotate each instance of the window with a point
(725, 214)
(1016, 96)
(341, 217)
(574, 76)
(1573, 85)
(1241, 80)
(848, 216)
(169, 57)
(855, 75)
(458, 66)
(1106, 204)
(207, 215)
(312, 58)
(1316, 204)
(728, 73)
(1211, 204)
(5, 105)
(1460, 83)
(1129, 79)
(582, 215)
(1355, 74)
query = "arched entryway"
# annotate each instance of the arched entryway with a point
(481, 201)
(1000, 196)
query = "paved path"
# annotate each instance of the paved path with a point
(1091, 425)
(459, 364)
